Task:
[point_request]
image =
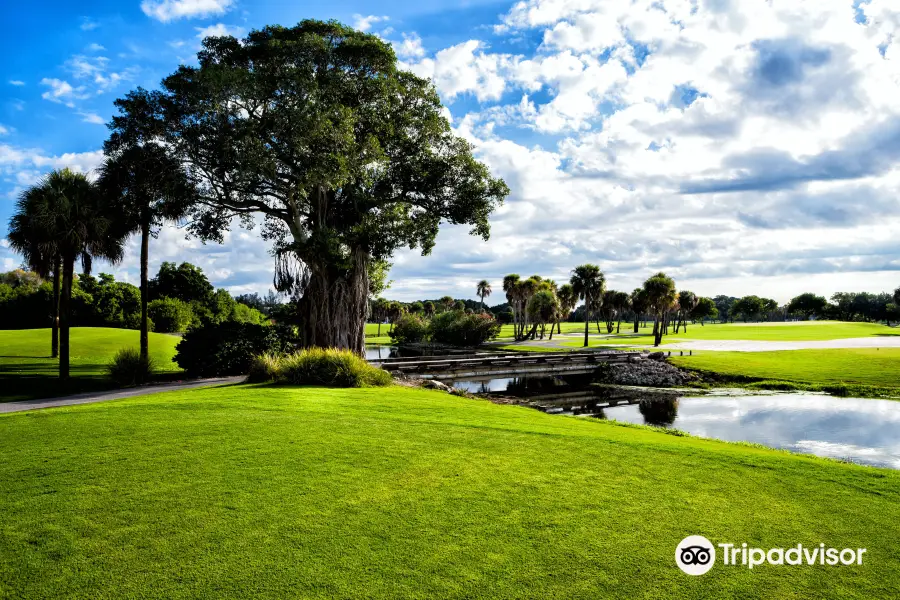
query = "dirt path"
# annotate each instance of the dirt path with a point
(89, 397)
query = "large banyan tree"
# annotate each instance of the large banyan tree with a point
(346, 157)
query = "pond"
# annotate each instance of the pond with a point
(860, 430)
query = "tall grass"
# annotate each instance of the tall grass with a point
(318, 366)
(127, 367)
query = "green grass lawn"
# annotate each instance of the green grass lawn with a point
(859, 366)
(27, 371)
(274, 492)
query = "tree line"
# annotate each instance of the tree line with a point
(180, 296)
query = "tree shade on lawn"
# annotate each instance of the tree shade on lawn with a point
(27, 372)
(346, 157)
(401, 493)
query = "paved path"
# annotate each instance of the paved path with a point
(88, 397)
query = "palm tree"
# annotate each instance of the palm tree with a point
(510, 287)
(40, 252)
(587, 283)
(638, 305)
(429, 309)
(81, 225)
(542, 308)
(567, 301)
(687, 302)
(447, 302)
(660, 290)
(153, 189)
(483, 289)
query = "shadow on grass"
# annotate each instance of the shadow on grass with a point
(84, 378)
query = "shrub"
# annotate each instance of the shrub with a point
(265, 367)
(214, 350)
(330, 367)
(133, 321)
(170, 315)
(127, 368)
(459, 329)
(409, 329)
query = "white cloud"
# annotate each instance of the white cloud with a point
(410, 48)
(170, 10)
(62, 92)
(219, 30)
(96, 48)
(466, 68)
(16, 82)
(364, 23)
(89, 117)
(4, 130)
(88, 24)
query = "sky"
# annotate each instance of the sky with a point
(741, 147)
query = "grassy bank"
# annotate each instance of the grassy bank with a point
(402, 493)
(27, 371)
(858, 366)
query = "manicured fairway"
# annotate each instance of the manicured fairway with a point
(861, 366)
(27, 371)
(396, 493)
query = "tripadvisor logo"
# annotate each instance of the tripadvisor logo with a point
(695, 555)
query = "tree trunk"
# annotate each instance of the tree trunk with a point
(637, 321)
(333, 306)
(145, 290)
(587, 319)
(54, 333)
(64, 305)
(657, 331)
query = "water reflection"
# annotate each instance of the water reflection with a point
(861, 430)
(858, 429)
(661, 413)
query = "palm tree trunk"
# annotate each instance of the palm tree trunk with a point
(64, 305)
(145, 267)
(637, 322)
(587, 318)
(54, 333)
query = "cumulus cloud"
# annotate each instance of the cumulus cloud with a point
(16, 82)
(365, 23)
(219, 30)
(171, 10)
(62, 92)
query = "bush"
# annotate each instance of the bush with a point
(459, 329)
(330, 367)
(133, 321)
(127, 368)
(264, 368)
(170, 315)
(215, 350)
(409, 329)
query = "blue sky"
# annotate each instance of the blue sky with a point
(743, 149)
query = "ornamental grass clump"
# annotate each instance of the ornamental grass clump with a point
(128, 368)
(318, 366)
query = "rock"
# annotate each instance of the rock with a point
(433, 384)
(657, 356)
(653, 373)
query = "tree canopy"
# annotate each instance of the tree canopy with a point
(346, 158)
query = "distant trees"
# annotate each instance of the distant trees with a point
(543, 308)
(687, 302)
(808, 305)
(639, 305)
(588, 284)
(705, 309)
(567, 301)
